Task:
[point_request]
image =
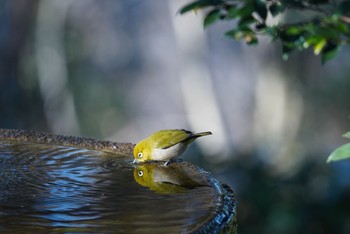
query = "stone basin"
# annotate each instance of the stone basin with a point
(69, 184)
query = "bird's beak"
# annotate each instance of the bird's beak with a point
(135, 161)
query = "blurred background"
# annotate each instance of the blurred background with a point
(120, 70)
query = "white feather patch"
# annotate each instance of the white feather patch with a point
(168, 153)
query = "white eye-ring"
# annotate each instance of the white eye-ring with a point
(140, 173)
(139, 155)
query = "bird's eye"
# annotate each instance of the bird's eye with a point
(140, 155)
(140, 173)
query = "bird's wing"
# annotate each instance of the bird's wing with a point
(168, 138)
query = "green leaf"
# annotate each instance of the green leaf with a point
(232, 12)
(312, 40)
(246, 10)
(294, 30)
(329, 52)
(328, 32)
(211, 17)
(260, 8)
(346, 135)
(342, 152)
(194, 6)
(319, 46)
(244, 21)
(251, 39)
(342, 27)
(276, 8)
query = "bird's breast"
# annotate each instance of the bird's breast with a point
(168, 153)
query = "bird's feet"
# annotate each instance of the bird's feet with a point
(173, 160)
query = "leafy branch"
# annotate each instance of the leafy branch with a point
(322, 25)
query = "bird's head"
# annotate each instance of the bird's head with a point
(142, 152)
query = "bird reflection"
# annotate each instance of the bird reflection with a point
(164, 179)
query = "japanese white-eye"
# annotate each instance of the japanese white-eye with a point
(165, 145)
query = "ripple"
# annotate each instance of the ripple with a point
(46, 179)
(69, 189)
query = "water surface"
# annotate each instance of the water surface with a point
(65, 189)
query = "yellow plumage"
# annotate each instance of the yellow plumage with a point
(165, 144)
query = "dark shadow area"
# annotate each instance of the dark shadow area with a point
(313, 199)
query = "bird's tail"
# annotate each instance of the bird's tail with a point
(200, 134)
(194, 136)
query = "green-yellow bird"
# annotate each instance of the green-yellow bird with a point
(165, 145)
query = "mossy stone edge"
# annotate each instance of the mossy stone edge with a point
(120, 149)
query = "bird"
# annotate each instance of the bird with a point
(165, 145)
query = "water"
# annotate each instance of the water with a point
(62, 189)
